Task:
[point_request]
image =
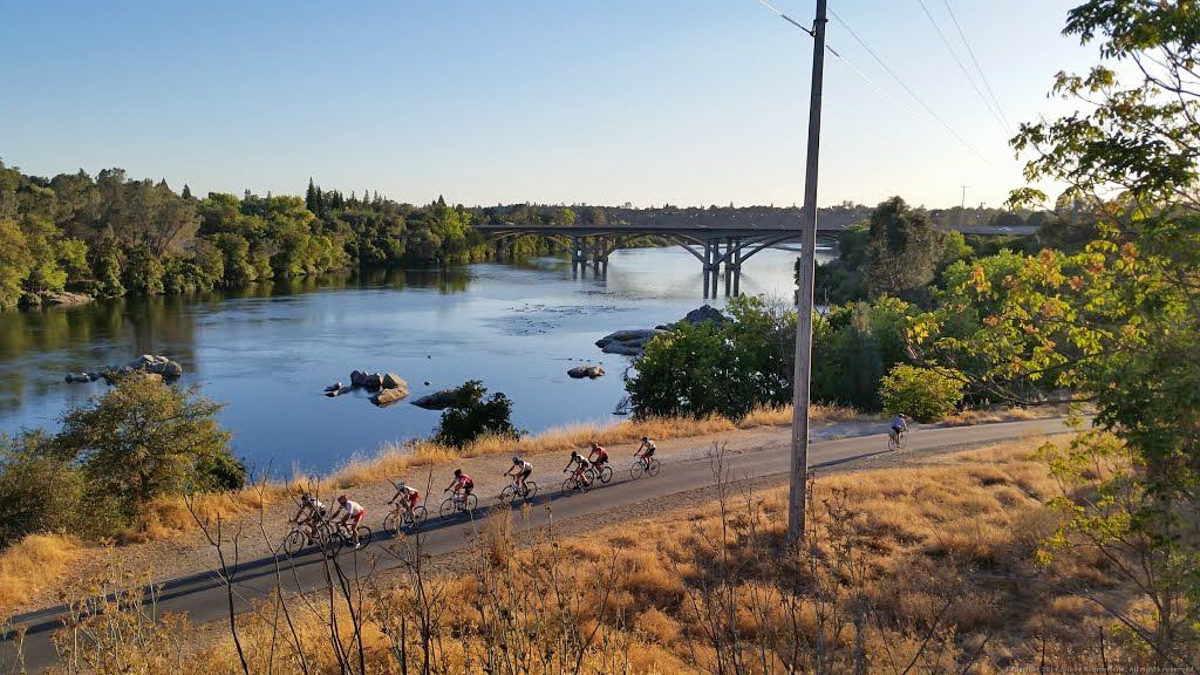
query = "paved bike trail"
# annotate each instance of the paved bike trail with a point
(203, 596)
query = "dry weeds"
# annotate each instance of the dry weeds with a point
(37, 560)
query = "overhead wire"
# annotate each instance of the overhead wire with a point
(932, 113)
(961, 66)
(872, 83)
(982, 76)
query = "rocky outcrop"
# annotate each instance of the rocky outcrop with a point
(64, 298)
(387, 397)
(627, 342)
(333, 393)
(148, 364)
(438, 400)
(392, 381)
(633, 342)
(589, 371)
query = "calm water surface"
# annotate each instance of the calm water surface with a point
(269, 353)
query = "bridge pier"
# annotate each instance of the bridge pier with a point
(737, 269)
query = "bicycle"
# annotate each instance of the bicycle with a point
(400, 517)
(513, 492)
(604, 475)
(578, 481)
(646, 465)
(343, 536)
(455, 504)
(897, 441)
(302, 535)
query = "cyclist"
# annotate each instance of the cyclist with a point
(354, 512)
(899, 426)
(645, 451)
(520, 470)
(580, 464)
(409, 497)
(311, 512)
(598, 456)
(462, 485)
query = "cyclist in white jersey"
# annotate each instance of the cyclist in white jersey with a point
(520, 469)
(354, 515)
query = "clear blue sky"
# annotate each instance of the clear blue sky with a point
(486, 101)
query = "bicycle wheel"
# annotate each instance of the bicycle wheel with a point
(893, 443)
(470, 503)
(448, 508)
(364, 536)
(530, 490)
(391, 523)
(509, 494)
(637, 469)
(653, 468)
(568, 485)
(605, 474)
(419, 515)
(294, 542)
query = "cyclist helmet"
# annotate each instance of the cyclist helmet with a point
(457, 472)
(342, 499)
(308, 499)
(516, 459)
(645, 438)
(574, 454)
(400, 485)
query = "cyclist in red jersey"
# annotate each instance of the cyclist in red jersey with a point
(598, 456)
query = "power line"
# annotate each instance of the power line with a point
(908, 89)
(872, 83)
(982, 76)
(954, 55)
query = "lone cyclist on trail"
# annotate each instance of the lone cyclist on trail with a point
(645, 451)
(520, 470)
(899, 426)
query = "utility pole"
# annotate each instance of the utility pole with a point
(963, 205)
(808, 242)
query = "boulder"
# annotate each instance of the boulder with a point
(333, 387)
(78, 377)
(356, 378)
(438, 400)
(331, 393)
(171, 370)
(589, 371)
(392, 381)
(388, 396)
(373, 381)
(64, 298)
(92, 377)
(705, 313)
(644, 335)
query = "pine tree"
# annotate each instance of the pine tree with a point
(187, 192)
(310, 197)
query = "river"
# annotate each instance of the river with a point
(268, 353)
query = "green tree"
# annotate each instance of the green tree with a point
(39, 490)
(474, 414)
(15, 263)
(925, 395)
(902, 256)
(144, 439)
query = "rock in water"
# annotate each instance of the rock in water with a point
(589, 371)
(373, 381)
(333, 387)
(356, 378)
(392, 381)
(438, 400)
(388, 396)
(705, 313)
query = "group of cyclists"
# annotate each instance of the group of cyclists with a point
(313, 512)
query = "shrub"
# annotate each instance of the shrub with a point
(728, 369)
(39, 490)
(144, 439)
(923, 394)
(472, 416)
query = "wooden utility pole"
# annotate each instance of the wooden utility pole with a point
(808, 239)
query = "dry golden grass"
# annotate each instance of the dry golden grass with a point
(35, 561)
(972, 416)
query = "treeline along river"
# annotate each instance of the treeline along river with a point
(268, 352)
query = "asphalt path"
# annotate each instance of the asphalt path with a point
(203, 597)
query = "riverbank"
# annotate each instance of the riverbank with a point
(166, 542)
